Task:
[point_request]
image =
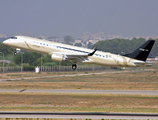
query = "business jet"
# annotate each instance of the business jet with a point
(62, 52)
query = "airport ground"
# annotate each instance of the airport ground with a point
(73, 102)
(101, 80)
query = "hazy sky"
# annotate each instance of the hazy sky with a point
(73, 17)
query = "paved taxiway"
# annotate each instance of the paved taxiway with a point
(77, 115)
(125, 92)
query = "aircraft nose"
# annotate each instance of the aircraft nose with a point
(5, 42)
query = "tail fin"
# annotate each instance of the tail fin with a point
(143, 51)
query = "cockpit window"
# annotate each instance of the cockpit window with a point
(13, 37)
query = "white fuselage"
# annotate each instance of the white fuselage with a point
(48, 47)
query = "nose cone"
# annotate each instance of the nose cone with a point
(5, 42)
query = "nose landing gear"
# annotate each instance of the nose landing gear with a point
(74, 66)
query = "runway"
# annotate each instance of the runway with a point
(122, 92)
(78, 115)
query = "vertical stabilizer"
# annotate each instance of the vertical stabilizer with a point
(143, 51)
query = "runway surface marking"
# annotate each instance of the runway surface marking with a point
(78, 115)
(125, 92)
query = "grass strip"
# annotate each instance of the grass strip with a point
(78, 103)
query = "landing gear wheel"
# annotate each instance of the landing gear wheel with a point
(74, 66)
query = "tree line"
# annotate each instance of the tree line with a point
(124, 46)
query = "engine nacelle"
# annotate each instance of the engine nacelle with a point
(58, 57)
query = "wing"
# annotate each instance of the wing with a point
(78, 57)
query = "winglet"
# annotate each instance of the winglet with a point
(90, 54)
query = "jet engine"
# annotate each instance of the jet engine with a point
(58, 57)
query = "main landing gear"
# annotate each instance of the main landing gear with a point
(74, 66)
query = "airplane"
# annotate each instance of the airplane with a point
(62, 52)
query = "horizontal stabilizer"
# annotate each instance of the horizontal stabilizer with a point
(143, 64)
